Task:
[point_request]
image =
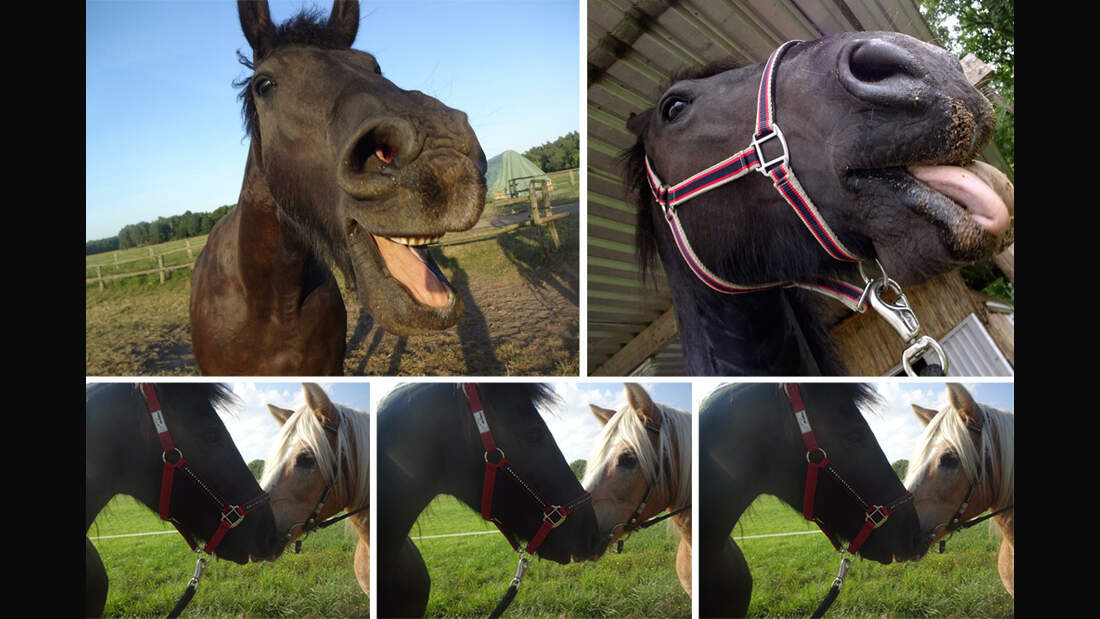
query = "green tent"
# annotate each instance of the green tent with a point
(507, 166)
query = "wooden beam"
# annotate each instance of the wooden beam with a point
(654, 337)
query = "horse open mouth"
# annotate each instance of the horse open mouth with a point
(399, 283)
(983, 192)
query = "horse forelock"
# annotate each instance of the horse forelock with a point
(627, 427)
(997, 448)
(304, 427)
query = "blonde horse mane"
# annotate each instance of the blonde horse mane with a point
(997, 433)
(304, 426)
(628, 427)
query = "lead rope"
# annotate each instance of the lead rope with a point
(192, 587)
(513, 587)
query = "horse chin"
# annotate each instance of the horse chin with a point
(400, 285)
(929, 223)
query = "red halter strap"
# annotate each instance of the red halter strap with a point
(231, 515)
(495, 460)
(874, 515)
(778, 169)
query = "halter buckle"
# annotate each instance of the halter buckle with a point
(874, 515)
(758, 140)
(234, 510)
(554, 509)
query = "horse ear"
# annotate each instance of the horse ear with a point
(318, 402)
(962, 402)
(256, 24)
(640, 401)
(280, 414)
(344, 20)
(924, 414)
(636, 123)
(603, 414)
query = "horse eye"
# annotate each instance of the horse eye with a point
(263, 86)
(627, 460)
(949, 459)
(304, 460)
(672, 108)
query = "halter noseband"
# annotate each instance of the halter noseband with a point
(778, 169)
(817, 460)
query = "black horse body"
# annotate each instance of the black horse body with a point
(124, 456)
(750, 444)
(866, 117)
(428, 445)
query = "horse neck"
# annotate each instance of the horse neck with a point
(272, 257)
(765, 333)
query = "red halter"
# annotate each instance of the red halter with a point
(875, 515)
(231, 515)
(552, 515)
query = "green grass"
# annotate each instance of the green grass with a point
(470, 574)
(792, 574)
(148, 574)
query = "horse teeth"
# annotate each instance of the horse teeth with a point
(414, 240)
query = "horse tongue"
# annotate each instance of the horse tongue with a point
(984, 191)
(407, 267)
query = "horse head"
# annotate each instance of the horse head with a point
(366, 172)
(882, 130)
(962, 465)
(640, 466)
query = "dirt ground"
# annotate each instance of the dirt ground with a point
(521, 318)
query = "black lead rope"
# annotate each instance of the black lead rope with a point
(189, 592)
(834, 590)
(513, 588)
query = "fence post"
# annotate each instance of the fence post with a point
(190, 254)
(160, 267)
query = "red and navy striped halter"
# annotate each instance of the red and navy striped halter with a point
(778, 169)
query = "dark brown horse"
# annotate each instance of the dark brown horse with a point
(343, 168)
(881, 131)
(124, 456)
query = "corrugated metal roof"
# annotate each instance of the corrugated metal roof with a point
(633, 50)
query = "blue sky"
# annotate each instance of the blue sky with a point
(163, 123)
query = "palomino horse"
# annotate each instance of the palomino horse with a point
(810, 446)
(344, 168)
(641, 467)
(319, 465)
(164, 445)
(487, 445)
(884, 151)
(965, 464)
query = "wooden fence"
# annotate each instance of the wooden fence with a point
(161, 269)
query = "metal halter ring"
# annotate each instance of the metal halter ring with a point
(918, 348)
(500, 451)
(179, 454)
(824, 456)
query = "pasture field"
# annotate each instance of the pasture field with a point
(148, 574)
(792, 574)
(470, 573)
(522, 314)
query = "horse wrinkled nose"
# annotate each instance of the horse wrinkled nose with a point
(378, 148)
(881, 72)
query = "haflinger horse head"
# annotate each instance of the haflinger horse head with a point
(319, 464)
(642, 461)
(882, 131)
(367, 172)
(963, 465)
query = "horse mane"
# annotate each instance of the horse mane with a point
(304, 426)
(997, 429)
(862, 395)
(215, 395)
(541, 396)
(310, 27)
(628, 427)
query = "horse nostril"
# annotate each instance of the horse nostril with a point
(880, 72)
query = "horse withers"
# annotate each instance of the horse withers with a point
(343, 168)
(126, 453)
(808, 445)
(882, 132)
(318, 466)
(964, 465)
(487, 445)
(640, 467)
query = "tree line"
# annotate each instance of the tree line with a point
(164, 229)
(563, 153)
